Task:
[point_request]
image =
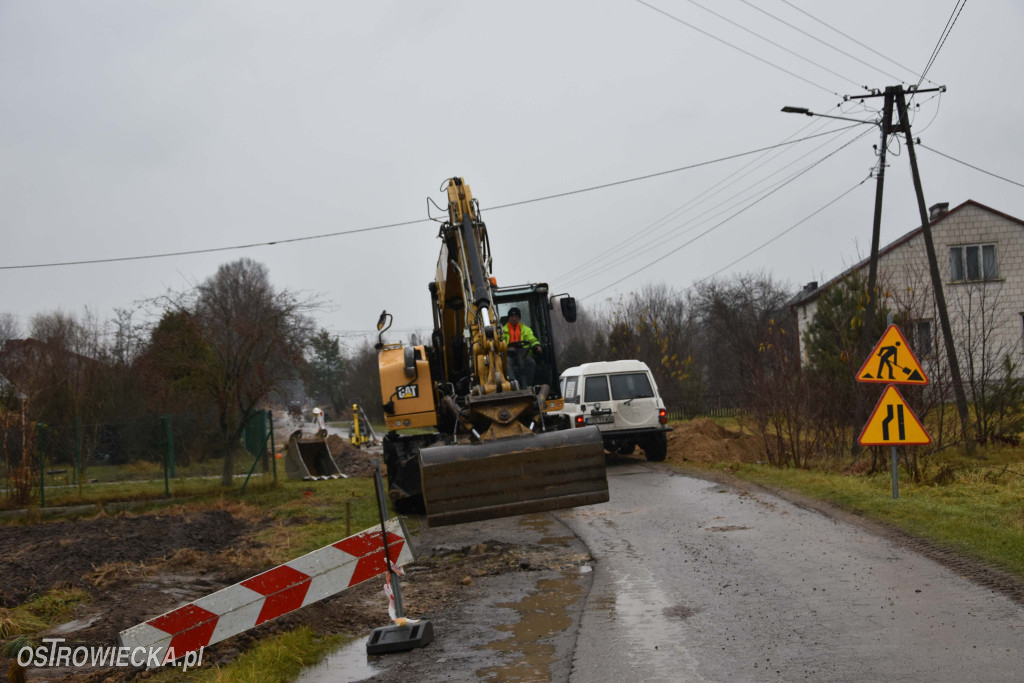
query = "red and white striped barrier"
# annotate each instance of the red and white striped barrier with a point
(232, 610)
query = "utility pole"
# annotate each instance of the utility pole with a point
(895, 97)
(885, 126)
(933, 266)
(885, 129)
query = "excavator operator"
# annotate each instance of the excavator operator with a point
(522, 344)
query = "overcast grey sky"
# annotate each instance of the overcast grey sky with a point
(132, 128)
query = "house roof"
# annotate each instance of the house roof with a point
(14, 348)
(809, 294)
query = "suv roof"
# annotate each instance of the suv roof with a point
(607, 366)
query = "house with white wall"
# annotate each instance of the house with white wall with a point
(980, 253)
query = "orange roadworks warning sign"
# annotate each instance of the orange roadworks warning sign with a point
(892, 361)
(893, 423)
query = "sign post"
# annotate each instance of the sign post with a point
(892, 422)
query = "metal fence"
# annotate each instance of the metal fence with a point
(45, 463)
(709, 404)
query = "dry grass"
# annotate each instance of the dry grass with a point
(41, 613)
(111, 572)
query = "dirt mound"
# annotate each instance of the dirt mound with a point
(351, 460)
(703, 440)
(35, 558)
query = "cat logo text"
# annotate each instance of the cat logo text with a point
(410, 391)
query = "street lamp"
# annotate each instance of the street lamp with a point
(807, 112)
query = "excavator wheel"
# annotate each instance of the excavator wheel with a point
(401, 459)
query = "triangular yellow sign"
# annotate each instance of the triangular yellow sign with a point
(893, 423)
(892, 361)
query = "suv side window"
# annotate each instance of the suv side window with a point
(596, 389)
(631, 385)
(569, 389)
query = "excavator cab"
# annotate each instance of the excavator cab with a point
(496, 445)
(533, 305)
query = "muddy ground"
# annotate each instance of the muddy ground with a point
(139, 566)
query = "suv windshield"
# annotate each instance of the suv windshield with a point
(631, 385)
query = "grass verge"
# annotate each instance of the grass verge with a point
(278, 659)
(979, 513)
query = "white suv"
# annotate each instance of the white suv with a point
(621, 398)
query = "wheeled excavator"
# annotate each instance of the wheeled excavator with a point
(467, 440)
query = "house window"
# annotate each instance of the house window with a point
(973, 262)
(922, 341)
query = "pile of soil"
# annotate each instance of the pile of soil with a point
(352, 460)
(703, 440)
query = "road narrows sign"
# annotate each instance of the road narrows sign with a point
(892, 361)
(893, 423)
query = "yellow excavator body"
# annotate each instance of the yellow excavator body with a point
(470, 437)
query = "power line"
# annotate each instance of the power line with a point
(735, 47)
(957, 9)
(353, 231)
(756, 196)
(717, 225)
(668, 172)
(699, 220)
(981, 170)
(851, 38)
(823, 42)
(211, 250)
(772, 42)
(721, 185)
(787, 230)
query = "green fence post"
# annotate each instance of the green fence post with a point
(166, 461)
(273, 453)
(40, 432)
(169, 431)
(78, 453)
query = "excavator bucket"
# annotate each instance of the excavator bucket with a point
(513, 476)
(309, 458)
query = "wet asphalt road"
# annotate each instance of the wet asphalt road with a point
(694, 581)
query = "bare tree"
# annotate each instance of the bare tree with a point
(653, 325)
(989, 351)
(732, 317)
(9, 328)
(362, 378)
(252, 342)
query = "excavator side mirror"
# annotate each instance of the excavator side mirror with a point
(569, 309)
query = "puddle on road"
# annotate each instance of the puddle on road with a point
(542, 525)
(350, 663)
(543, 614)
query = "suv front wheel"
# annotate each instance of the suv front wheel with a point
(656, 447)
